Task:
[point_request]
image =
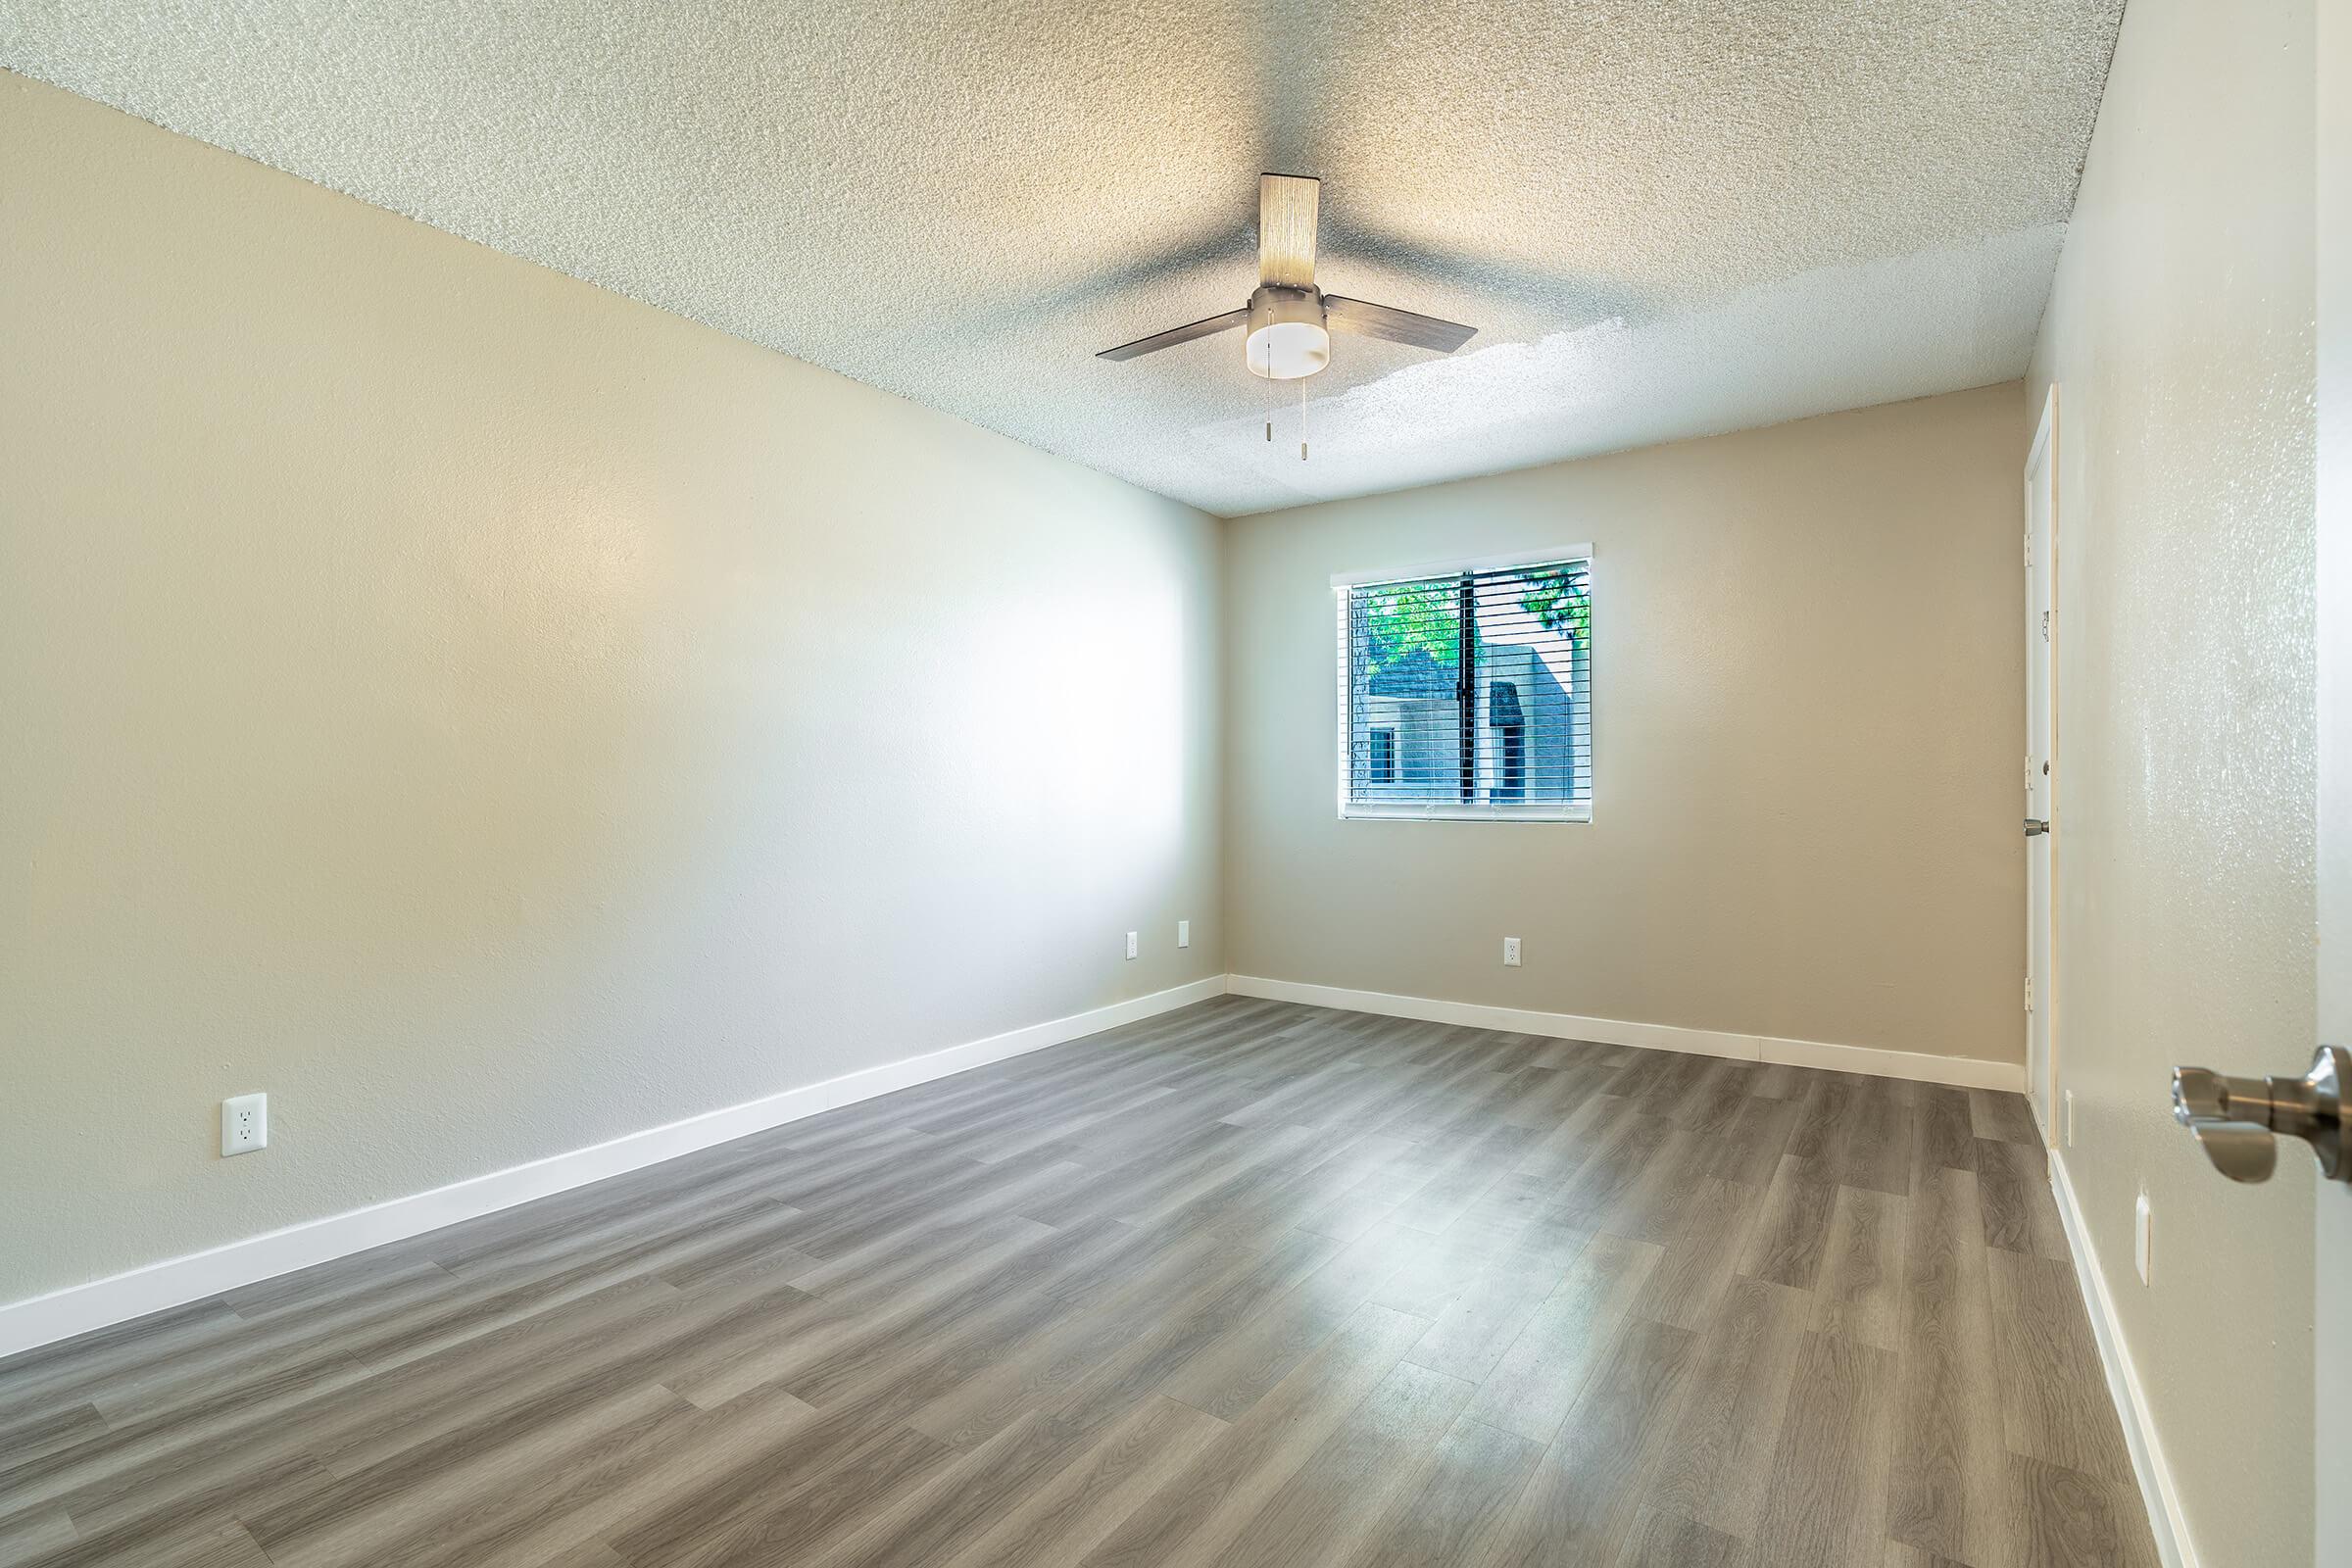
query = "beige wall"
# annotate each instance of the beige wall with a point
(491, 715)
(2179, 335)
(1807, 699)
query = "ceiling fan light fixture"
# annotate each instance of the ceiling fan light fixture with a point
(1287, 335)
(1288, 318)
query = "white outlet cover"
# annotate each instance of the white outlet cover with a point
(1184, 932)
(1131, 944)
(2144, 1237)
(244, 1124)
(2070, 1118)
(1510, 951)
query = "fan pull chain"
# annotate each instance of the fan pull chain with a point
(1302, 418)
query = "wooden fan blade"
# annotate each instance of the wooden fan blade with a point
(1175, 335)
(1397, 326)
(1285, 229)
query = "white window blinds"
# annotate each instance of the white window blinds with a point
(1468, 693)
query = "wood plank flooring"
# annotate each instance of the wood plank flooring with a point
(1250, 1284)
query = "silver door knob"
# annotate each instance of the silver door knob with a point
(2238, 1149)
(2036, 826)
(2235, 1120)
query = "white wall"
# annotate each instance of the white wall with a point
(1807, 678)
(490, 716)
(2179, 336)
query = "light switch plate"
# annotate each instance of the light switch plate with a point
(1184, 932)
(2144, 1237)
(244, 1124)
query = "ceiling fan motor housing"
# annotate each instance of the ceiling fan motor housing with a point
(1287, 335)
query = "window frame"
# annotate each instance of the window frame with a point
(1353, 810)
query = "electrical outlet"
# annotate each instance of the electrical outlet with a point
(2144, 1237)
(1131, 947)
(1184, 932)
(244, 1124)
(2070, 1118)
(1510, 953)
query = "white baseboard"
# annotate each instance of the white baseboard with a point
(1965, 1072)
(79, 1308)
(2163, 1501)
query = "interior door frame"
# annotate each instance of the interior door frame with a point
(2041, 467)
(2331, 1213)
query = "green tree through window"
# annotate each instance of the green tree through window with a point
(1428, 616)
(1408, 615)
(1561, 599)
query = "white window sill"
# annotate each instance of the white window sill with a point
(1423, 812)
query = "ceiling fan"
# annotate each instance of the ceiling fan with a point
(1288, 318)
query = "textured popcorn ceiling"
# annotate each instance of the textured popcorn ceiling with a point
(1666, 219)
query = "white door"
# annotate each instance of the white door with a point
(2331, 1239)
(2041, 514)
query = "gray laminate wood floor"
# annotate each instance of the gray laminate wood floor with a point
(1246, 1285)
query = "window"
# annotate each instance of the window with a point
(1466, 691)
(1513, 786)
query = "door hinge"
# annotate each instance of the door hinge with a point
(2028, 992)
